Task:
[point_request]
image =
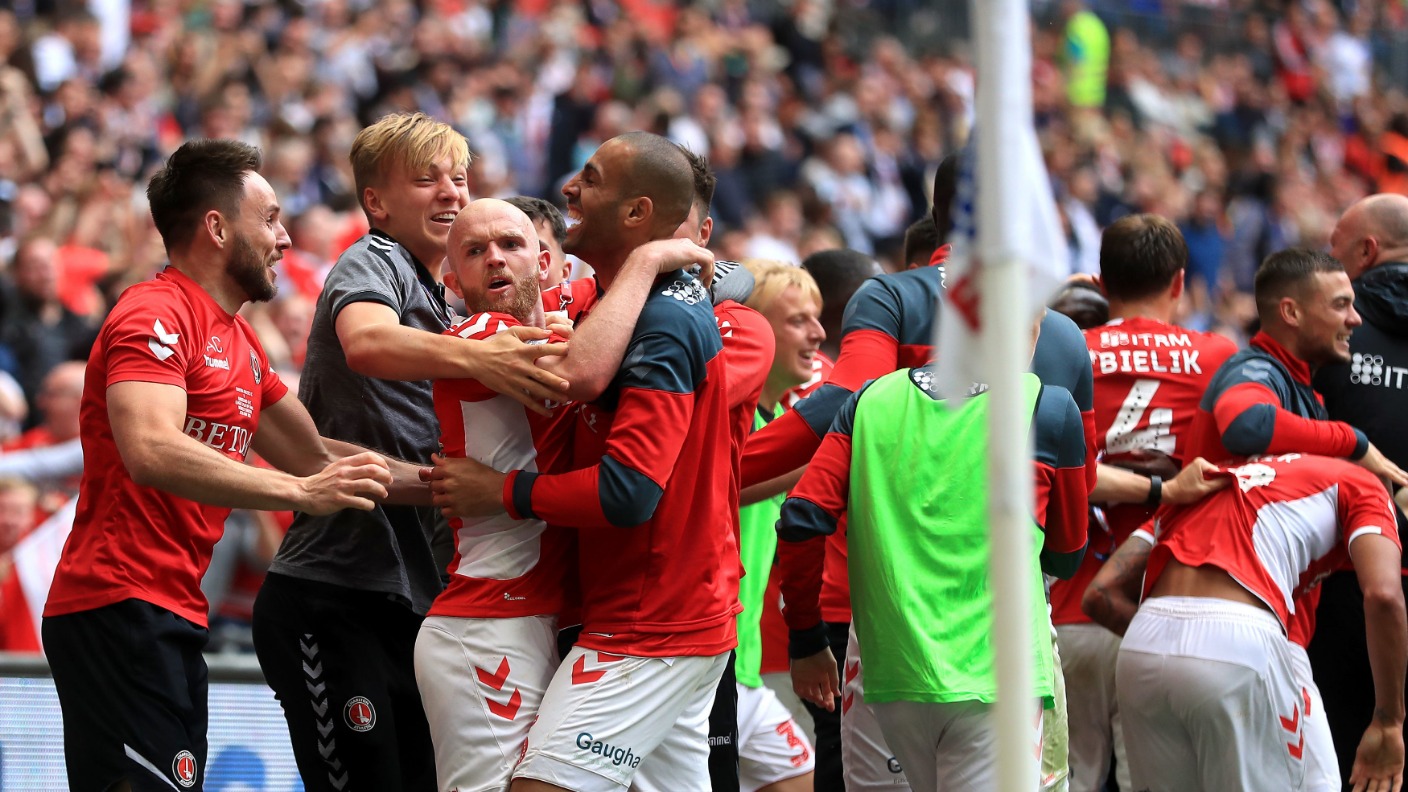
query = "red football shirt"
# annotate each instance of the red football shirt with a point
(1149, 377)
(1288, 523)
(136, 542)
(503, 567)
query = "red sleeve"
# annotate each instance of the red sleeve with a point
(1251, 420)
(1061, 500)
(148, 341)
(778, 448)
(827, 482)
(865, 355)
(622, 489)
(1364, 507)
(810, 513)
(799, 568)
(748, 350)
(1092, 448)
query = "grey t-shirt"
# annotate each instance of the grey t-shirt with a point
(388, 549)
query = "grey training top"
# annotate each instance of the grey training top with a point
(387, 549)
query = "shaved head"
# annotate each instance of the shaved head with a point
(1371, 231)
(496, 263)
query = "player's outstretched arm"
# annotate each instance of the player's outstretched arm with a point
(1113, 595)
(1378, 762)
(378, 345)
(147, 420)
(288, 439)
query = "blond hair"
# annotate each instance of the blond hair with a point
(411, 140)
(771, 278)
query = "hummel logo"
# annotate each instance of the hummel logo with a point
(158, 344)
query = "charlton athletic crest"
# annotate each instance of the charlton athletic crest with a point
(183, 767)
(254, 364)
(359, 714)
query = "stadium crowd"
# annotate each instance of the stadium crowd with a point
(1251, 127)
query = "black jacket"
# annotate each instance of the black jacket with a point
(1371, 392)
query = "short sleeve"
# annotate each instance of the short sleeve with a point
(148, 338)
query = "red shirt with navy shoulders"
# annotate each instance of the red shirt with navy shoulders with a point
(1149, 377)
(135, 542)
(1287, 523)
(503, 567)
(658, 552)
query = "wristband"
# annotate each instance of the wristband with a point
(1156, 491)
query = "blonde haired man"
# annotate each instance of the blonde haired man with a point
(336, 621)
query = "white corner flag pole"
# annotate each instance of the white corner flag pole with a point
(1004, 109)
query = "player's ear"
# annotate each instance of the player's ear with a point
(216, 227)
(452, 282)
(544, 264)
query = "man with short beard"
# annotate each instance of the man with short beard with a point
(178, 392)
(488, 646)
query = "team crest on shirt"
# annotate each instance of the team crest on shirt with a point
(359, 714)
(254, 364)
(183, 769)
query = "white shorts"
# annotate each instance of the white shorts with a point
(604, 716)
(771, 746)
(1088, 655)
(866, 759)
(948, 747)
(1322, 767)
(1209, 699)
(1054, 753)
(481, 681)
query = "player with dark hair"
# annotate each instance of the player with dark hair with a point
(178, 392)
(1149, 376)
(919, 559)
(921, 239)
(552, 232)
(658, 558)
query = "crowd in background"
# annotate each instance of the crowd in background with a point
(1252, 123)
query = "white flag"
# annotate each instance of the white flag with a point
(1031, 231)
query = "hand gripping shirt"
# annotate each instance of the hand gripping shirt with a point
(502, 567)
(658, 551)
(1149, 377)
(919, 533)
(135, 542)
(1288, 522)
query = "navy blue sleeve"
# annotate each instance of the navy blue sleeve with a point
(1062, 358)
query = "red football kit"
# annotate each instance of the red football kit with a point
(658, 555)
(1149, 377)
(136, 542)
(502, 567)
(1288, 523)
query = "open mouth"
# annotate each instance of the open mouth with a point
(499, 285)
(443, 218)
